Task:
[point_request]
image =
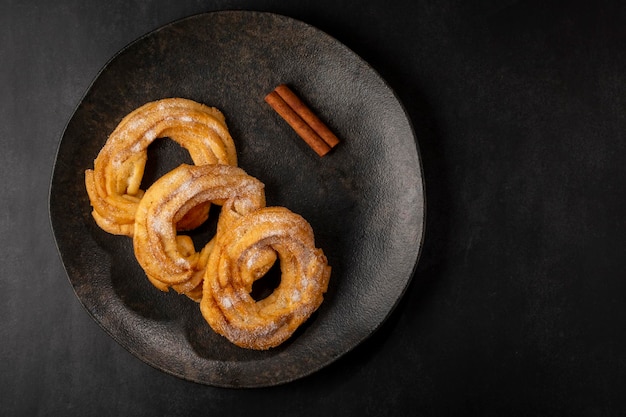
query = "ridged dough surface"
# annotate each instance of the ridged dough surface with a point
(244, 249)
(170, 259)
(114, 183)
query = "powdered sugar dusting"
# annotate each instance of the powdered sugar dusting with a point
(160, 225)
(150, 135)
(182, 262)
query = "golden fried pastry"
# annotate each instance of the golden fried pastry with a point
(170, 260)
(114, 183)
(245, 248)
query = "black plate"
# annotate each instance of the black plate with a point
(364, 200)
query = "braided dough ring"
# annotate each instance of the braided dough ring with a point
(114, 183)
(168, 259)
(244, 249)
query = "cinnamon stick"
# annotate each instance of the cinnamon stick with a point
(307, 115)
(302, 120)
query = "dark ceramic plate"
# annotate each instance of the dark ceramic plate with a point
(364, 200)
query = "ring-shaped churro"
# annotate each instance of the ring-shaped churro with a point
(114, 183)
(243, 251)
(169, 259)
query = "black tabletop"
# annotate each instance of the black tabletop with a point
(518, 301)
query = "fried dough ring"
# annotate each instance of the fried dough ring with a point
(244, 250)
(114, 183)
(168, 259)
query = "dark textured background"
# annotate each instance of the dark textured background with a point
(518, 306)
